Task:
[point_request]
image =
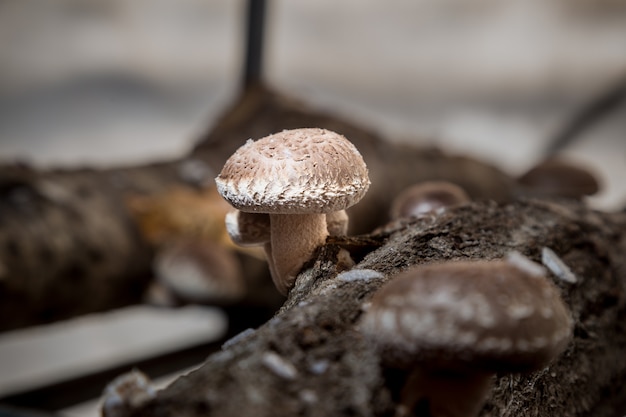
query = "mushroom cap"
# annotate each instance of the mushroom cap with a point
(426, 197)
(484, 315)
(555, 177)
(301, 171)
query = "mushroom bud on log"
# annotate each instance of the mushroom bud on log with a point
(426, 197)
(200, 272)
(297, 177)
(558, 178)
(452, 326)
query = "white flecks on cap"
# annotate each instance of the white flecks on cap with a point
(491, 311)
(521, 311)
(387, 320)
(495, 344)
(295, 171)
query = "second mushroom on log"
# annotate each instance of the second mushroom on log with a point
(427, 197)
(453, 326)
(301, 178)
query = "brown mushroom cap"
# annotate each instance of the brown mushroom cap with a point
(555, 177)
(295, 171)
(484, 315)
(426, 197)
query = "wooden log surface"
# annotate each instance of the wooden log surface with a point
(311, 360)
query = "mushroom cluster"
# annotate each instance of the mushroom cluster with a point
(452, 326)
(303, 179)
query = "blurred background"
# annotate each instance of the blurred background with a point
(119, 82)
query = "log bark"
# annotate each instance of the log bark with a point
(311, 360)
(70, 245)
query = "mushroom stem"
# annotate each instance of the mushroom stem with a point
(445, 393)
(294, 238)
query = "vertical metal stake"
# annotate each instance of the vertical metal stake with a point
(254, 42)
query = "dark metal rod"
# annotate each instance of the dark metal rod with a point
(590, 114)
(255, 27)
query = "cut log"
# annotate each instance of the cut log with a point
(68, 246)
(311, 360)
(75, 242)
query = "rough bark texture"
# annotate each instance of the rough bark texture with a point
(310, 359)
(69, 244)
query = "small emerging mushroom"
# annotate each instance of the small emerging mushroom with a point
(297, 177)
(452, 326)
(557, 178)
(200, 271)
(425, 197)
